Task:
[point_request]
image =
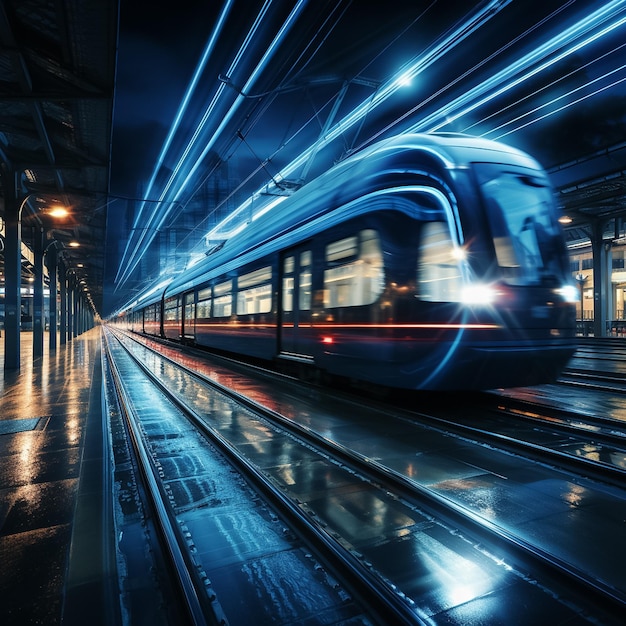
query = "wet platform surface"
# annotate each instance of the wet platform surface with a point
(51, 459)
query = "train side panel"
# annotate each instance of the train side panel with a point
(437, 267)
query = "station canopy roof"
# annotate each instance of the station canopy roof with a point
(57, 74)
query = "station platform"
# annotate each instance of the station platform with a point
(54, 564)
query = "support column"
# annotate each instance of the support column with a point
(77, 311)
(71, 307)
(601, 274)
(38, 313)
(51, 262)
(12, 271)
(63, 298)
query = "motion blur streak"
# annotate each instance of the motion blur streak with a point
(582, 34)
(565, 106)
(397, 81)
(411, 70)
(162, 215)
(174, 127)
(240, 97)
(542, 89)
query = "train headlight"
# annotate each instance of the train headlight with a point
(569, 293)
(478, 294)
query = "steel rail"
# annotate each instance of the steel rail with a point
(194, 603)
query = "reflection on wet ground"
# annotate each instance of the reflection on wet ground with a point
(44, 408)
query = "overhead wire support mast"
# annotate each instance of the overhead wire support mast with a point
(262, 162)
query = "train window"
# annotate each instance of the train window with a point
(255, 292)
(203, 307)
(354, 274)
(339, 251)
(289, 264)
(438, 271)
(288, 283)
(223, 299)
(304, 293)
(524, 228)
(204, 294)
(151, 319)
(189, 310)
(203, 310)
(171, 312)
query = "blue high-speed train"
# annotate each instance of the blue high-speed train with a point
(423, 262)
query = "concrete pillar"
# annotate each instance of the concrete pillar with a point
(77, 311)
(12, 270)
(70, 307)
(601, 278)
(75, 307)
(51, 263)
(63, 302)
(38, 312)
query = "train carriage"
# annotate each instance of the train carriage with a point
(425, 262)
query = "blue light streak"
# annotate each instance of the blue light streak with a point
(163, 210)
(263, 63)
(412, 70)
(208, 49)
(396, 82)
(166, 207)
(582, 34)
(509, 78)
(561, 108)
(544, 88)
(211, 108)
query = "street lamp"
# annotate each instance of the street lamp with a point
(58, 212)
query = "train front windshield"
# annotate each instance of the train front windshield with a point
(526, 234)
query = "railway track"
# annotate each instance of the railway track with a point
(590, 446)
(422, 517)
(292, 588)
(182, 591)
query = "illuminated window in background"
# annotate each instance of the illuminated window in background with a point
(223, 299)
(355, 273)
(438, 273)
(255, 292)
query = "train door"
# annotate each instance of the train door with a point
(189, 317)
(295, 302)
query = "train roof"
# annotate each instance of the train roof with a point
(341, 184)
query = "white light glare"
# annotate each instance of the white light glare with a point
(569, 293)
(459, 253)
(478, 294)
(404, 80)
